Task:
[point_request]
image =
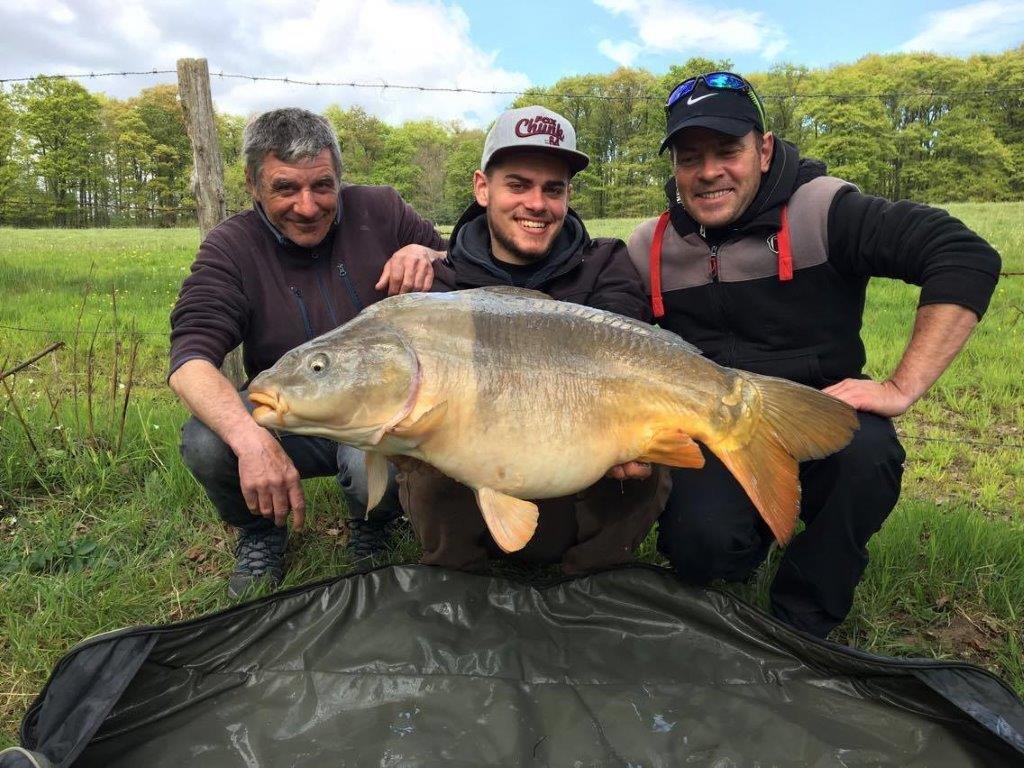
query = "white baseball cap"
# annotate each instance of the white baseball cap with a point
(534, 128)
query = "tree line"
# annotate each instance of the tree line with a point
(915, 126)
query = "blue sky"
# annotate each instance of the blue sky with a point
(463, 44)
(813, 38)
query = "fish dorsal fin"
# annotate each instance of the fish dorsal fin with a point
(511, 521)
(424, 423)
(376, 478)
(511, 290)
(674, 448)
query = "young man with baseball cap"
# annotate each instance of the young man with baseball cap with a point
(762, 261)
(520, 231)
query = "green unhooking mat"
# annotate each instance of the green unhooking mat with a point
(418, 666)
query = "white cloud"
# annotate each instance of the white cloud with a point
(408, 42)
(623, 52)
(59, 13)
(991, 25)
(690, 29)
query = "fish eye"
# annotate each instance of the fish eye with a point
(318, 363)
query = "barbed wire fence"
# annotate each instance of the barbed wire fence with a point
(104, 212)
(632, 96)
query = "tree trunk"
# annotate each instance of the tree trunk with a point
(208, 171)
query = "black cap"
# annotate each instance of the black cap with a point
(731, 112)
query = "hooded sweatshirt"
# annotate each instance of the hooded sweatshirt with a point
(723, 292)
(594, 272)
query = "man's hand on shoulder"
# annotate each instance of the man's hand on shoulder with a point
(270, 482)
(883, 398)
(409, 269)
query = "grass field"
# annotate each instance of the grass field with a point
(101, 527)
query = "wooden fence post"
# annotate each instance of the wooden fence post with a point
(208, 173)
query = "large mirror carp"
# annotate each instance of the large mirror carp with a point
(519, 396)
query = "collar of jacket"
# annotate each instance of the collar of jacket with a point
(288, 244)
(469, 252)
(787, 172)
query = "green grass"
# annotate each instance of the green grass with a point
(95, 535)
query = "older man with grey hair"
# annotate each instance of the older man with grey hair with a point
(308, 256)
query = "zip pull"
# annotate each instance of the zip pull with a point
(353, 294)
(713, 264)
(303, 311)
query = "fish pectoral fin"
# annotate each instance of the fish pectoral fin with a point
(673, 448)
(511, 521)
(426, 422)
(376, 478)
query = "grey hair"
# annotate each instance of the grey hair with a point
(291, 134)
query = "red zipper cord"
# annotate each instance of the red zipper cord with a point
(785, 248)
(657, 303)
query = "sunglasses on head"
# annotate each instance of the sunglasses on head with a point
(717, 81)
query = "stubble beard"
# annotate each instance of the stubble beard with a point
(509, 245)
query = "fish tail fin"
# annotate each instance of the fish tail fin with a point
(796, 424)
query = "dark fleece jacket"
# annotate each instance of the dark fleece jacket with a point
(250, 284)
(594, 272)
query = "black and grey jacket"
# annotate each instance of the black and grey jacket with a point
(722, 288)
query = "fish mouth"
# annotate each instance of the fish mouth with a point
(268, 404)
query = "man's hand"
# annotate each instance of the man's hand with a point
(270, 482)
(940, 330)
(883, 398)
(409, 269)
(631, 470)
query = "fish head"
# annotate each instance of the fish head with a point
(348, 388)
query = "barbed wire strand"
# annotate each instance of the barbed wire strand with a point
(65, 332)
(950, 441)
(536, 90)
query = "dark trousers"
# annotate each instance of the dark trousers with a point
(215, 466)
(597, 528)
(710, 530)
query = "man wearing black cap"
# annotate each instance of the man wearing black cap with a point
(762, 261)
(521, 232)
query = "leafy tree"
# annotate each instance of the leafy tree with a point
(782, 92)
(848, 129)
(363, 139)
(917, 126)
(462, 161)
(8, 161)
(60, 121)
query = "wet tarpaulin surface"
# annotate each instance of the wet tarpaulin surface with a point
(412, 665)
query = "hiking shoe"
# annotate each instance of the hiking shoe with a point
(259, 557)
(369, 538)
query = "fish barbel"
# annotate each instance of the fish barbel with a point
(519, 396)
